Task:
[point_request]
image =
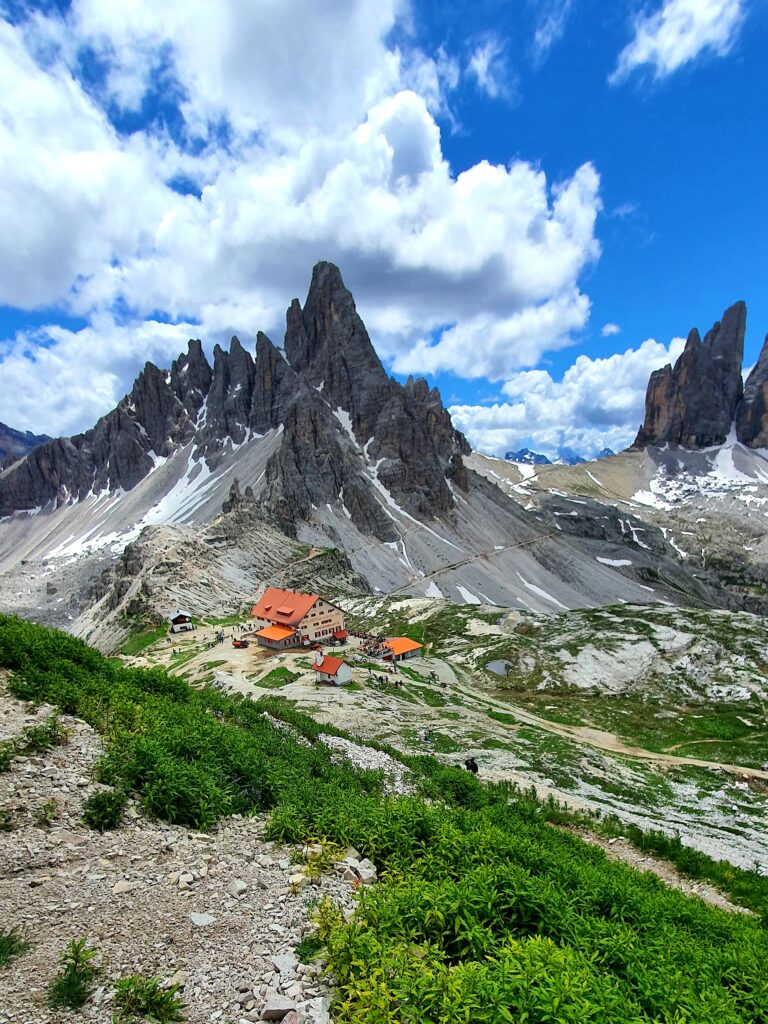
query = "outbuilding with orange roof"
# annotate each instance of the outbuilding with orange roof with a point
(332, 671)
(402, 647)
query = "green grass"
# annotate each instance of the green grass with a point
(182, 658)
(308, 948)
(428, 696)
(228, 620)
(139, 641)
(12, 945)
(484, 912)
(503, 717)
(443, 744)
(278, 677)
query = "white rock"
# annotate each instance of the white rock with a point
(202, 920)
(366, 871)
(236, 887)
(277, 1007)
(123, 886)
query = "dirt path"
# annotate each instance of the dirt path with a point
(714, 739)
(602, 740)
(621, 849)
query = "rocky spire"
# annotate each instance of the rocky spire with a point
(752, 417)
(326, 343)
(694, 403)
(229, 398)
(274, 386)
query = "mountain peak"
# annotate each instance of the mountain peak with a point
(339, 429)
(693, 404)
(326, 342)
(752, 418)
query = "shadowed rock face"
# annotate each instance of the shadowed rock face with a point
(347, 429)
(694, 403)
(752, 418)
(401, 436)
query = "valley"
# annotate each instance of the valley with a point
(591, 637)
(652, 715)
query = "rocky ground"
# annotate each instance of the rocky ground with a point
(219, 914)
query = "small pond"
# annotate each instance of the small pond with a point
(499, 668)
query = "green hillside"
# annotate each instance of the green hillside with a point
(485, 912)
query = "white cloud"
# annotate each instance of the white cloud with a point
(552, 17)
(678, 32)
(281, 66)
(598, 404)
(72, 194)
(488, 66)
(333, 154)
(610, 329)
(538, 249)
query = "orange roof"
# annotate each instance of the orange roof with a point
(275, 632)
(401, 645)
(329, 666)
(288, 607)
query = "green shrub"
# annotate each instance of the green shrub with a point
(143, 997)
(308, 948)
(7, 754)
(46, 813)
(12, 944)
(37, 739)
(103, 811)
(72, 986)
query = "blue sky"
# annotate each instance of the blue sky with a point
(531, 202)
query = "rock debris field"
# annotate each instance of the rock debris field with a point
(220, 914)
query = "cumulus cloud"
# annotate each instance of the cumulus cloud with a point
(598, 404)
(281, 66)
(609, 329)
(292, 158)
(677, 33)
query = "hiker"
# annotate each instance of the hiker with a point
(471, 765)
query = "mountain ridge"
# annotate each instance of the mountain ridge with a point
(16, 443)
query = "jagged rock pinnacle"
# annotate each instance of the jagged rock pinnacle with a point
(694, 403)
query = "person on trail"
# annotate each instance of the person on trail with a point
(471, 765)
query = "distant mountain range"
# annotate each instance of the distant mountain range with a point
(15, 443)
(565, 457)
